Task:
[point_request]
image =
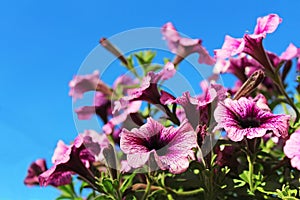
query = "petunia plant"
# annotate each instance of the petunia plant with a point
(235, 142)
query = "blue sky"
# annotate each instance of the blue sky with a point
(43, 44)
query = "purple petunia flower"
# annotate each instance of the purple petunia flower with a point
(35, 169)
(196, 108)
(75, 159)
(148, 90)
(171, 147)
(101, 106)
(243, 66)
(119, 117)
(83, 83)
(102, 102)
(267, 24)
(250, 43)
(291, 52)
(185, 46)
(249, 118)
(292, 149)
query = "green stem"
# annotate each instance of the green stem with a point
(147, 191)
(283, 92)
(250, 166)
(278, 81)
(187, 193)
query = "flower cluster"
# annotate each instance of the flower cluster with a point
(224, 143)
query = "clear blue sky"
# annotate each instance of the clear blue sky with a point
(43, 43)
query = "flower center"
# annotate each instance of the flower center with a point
(156, 143)
(249, 123)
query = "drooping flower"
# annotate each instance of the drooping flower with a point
(249, 118)
(74, 159)
(35, 169)
(183, 47)
(171, 147)
(292, 149)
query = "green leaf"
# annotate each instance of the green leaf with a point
(245, 176)
(103, 197)
(261, 189)
(62, 197)
(108, 185)
(83, 185)
(127, 183)
(130, 66)
(152, 68)
(238, 183)
(67, 190)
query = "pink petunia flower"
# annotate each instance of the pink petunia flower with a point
(196, 108)
(250, 43)
(291, 52)
(120, 116)
(171, 147)
(267, 24)
(35, 169)
(101, 107)
(292, 149)
(83, 83)
(249, 118)
(74, 159)
(148, 90)
(102, 103)
(184, 46)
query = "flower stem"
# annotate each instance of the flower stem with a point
(281, 88)
(250, 178)
(147, 191)
(187, 193)
(278, 81)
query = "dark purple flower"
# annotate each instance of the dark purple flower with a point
(249, 118)
(292, 149)
(185, 46)
(75, 159)
(171, 147)
(35, 169)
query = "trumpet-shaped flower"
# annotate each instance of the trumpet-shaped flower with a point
(250, 43)
(171, 147)
(34, 170)
(83, 83)
(249, 118)
(185, 46)
(74, 159)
